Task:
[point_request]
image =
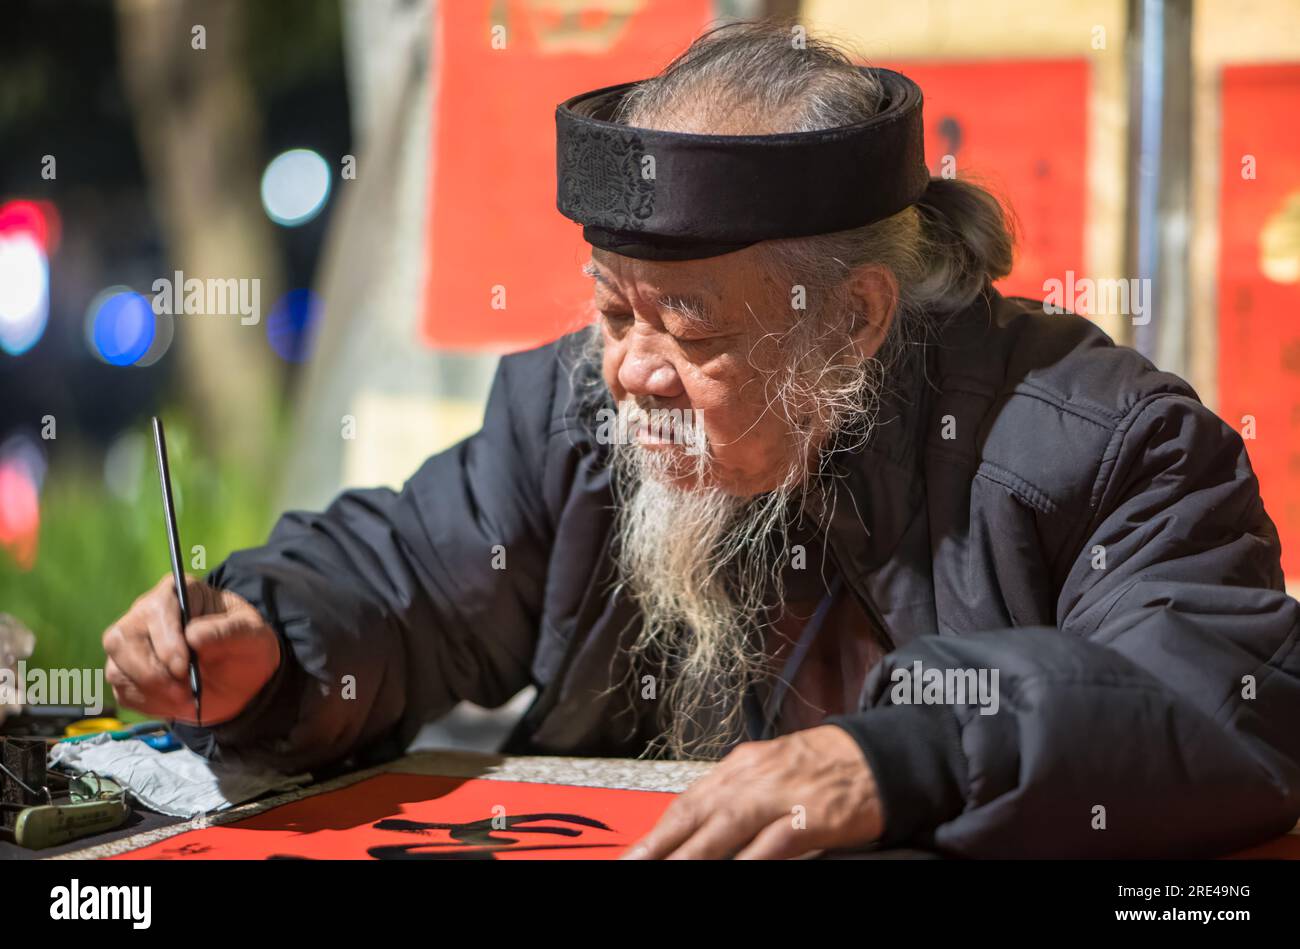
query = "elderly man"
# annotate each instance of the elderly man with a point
(917, 562)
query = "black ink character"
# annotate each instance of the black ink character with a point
(483, 844)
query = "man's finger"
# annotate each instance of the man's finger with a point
(779, 840)
(159, 613)
(218, 628)
(135, 657)
(678, 823)
(722, 835)
(129, 694)
(166, 636)
(204, 599)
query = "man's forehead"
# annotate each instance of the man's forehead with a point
(671, 276)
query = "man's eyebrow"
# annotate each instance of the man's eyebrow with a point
(695, 309)
(591, 270)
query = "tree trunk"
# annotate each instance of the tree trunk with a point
(200, 139)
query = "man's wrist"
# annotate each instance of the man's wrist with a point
(916, 759)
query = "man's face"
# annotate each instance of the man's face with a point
(718, 338)
(700, 335)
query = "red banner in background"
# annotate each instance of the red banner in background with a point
(503, 266)
(1020, 129)
(1259, 283)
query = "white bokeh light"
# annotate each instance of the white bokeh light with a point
(295, 186)
(24, 292)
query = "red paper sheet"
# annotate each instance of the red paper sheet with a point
(380, 818)
(417, 817)
(1259, 336)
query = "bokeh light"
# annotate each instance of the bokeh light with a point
(40, 219)
(121, 326)
(291, 327)
(20, 509)
(164, 332)
(295, 186)
(24, 291)
(28, 452)
(124, 466)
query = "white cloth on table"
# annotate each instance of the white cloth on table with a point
(180, 783)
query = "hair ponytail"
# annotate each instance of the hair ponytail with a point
(969, 225)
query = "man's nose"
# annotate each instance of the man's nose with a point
(646, 371)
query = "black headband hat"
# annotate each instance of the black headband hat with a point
(705, 195)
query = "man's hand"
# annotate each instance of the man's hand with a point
(804, 792)
(148, 658)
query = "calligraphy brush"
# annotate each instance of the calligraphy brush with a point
(174, 545)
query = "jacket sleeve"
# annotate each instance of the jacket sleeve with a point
(1159, 718)
(393, 606)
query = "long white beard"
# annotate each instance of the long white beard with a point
(705, 566)
(698, 562)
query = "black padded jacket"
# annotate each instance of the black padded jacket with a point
(1040, 502)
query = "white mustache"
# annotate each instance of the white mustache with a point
(682, 426)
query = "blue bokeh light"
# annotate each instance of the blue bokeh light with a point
(123, 328)
(291, 327)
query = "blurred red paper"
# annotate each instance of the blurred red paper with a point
(1259, 337)
(493, 222)
(1019, 128)
(418, 817)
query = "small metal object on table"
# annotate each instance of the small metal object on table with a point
(22, 777)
